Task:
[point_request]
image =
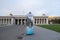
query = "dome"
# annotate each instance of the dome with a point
(43, 14)
(10, 14)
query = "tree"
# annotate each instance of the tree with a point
(56, 21)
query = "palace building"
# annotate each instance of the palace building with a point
(21, 19)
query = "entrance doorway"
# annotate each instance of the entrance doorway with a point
(16, 21)
(19, 21)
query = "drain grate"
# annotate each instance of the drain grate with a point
(19, 37)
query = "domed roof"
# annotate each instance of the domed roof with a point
(43, 14)
(10, 14)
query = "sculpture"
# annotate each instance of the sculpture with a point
(29, 23)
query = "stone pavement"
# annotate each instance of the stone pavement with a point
(43, 34)
(14, 31)
(11, 32)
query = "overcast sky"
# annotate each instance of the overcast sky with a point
(37, 7)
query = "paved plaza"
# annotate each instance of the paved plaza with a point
(12, 32)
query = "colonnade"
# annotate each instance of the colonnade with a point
(21, 21)
(41, 21)
(5, 21)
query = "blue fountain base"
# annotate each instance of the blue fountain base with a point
(30, 30)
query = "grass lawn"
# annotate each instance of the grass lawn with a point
(52, 27)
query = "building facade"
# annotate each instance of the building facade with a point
(21, 20)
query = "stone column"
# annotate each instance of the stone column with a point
(12, 21)
(6, 21)
(21, 21)
(18, 21)
(33, 21)
(41, 21)
(0, 21)
(24, 21)
(9, 21)
(46, 20)
(36, 21)
(3, 21)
